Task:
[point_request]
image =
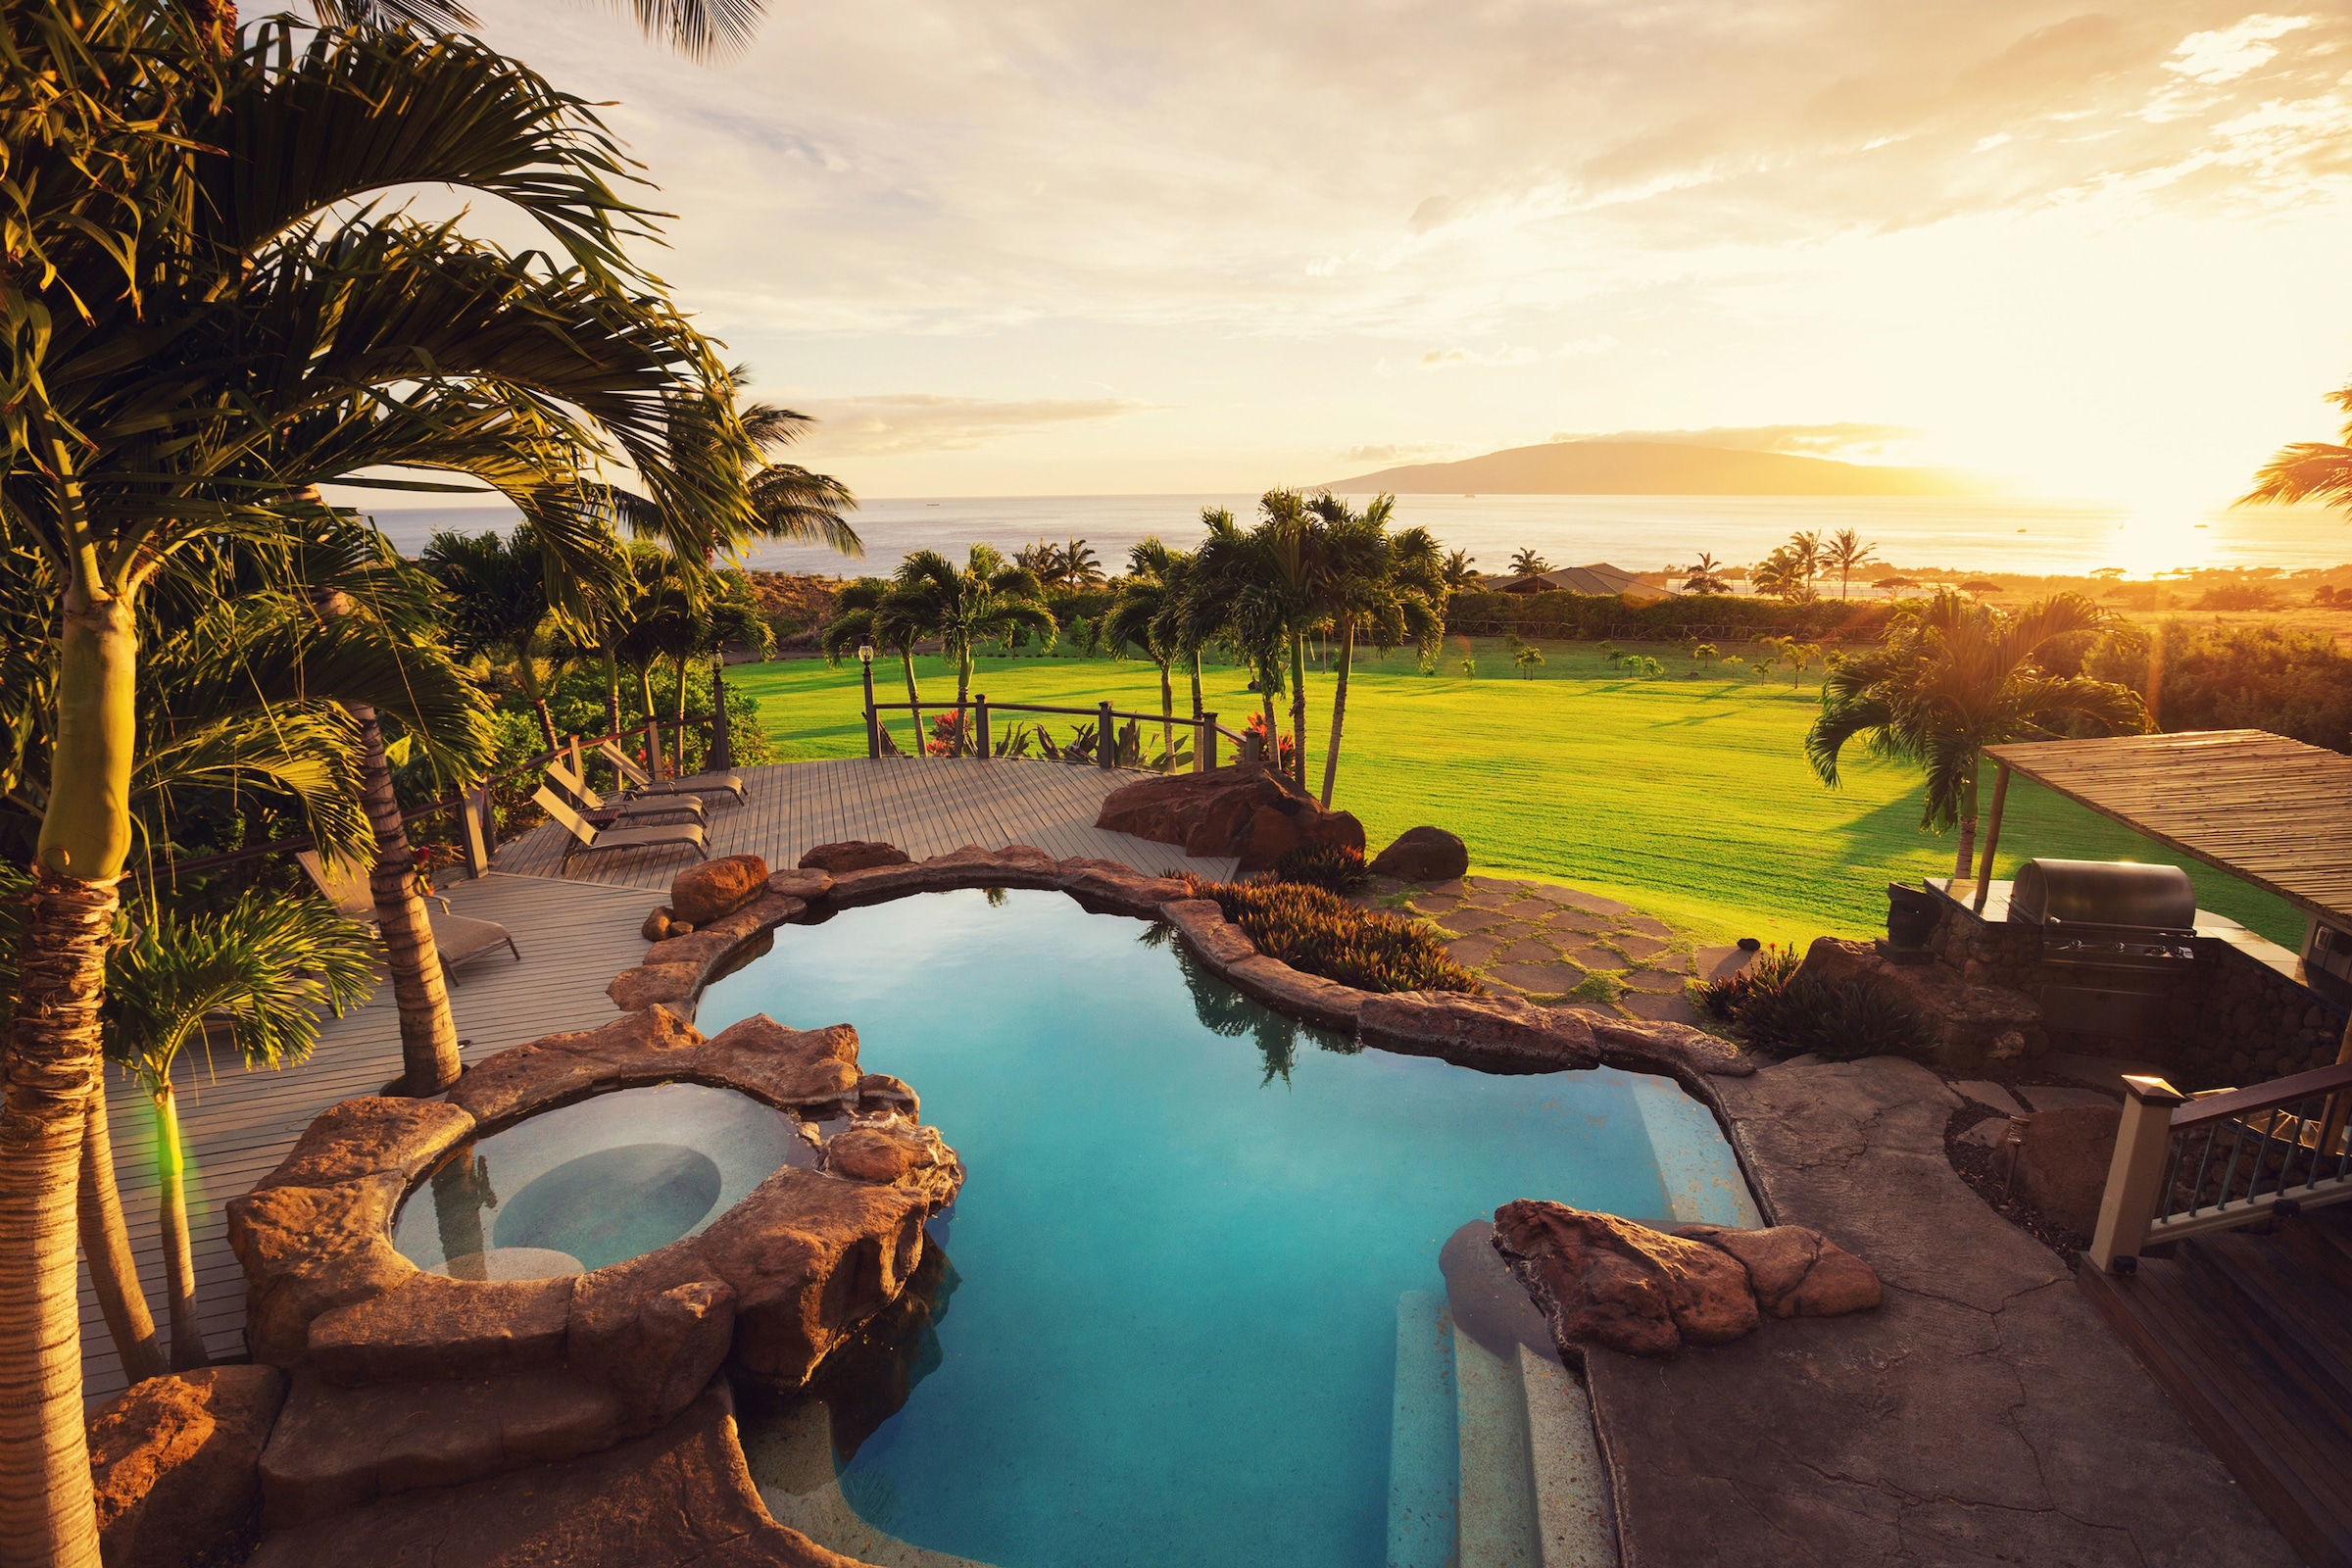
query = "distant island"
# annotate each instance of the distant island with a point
(1657, 468)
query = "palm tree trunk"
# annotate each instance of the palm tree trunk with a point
(428, 1034)
(915, 697)
(1298, 710)
(1197, 708)
(1968, 832)
(180, 1265)
(963, 693)
(612, 708)
(47, 1515)
(106, 1245)
(1273, 716)
(1167, 715)
(677, 733)
(1338, 707)
(528, 669)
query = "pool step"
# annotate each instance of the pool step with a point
(1572, 1491)
(1497, 1504)
(1422, 1446)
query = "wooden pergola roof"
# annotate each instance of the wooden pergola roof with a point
(2274, 811)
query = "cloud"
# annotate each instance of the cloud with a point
(1848, 441)
(1404, 452)
(899, 423)
(2227, 55)
(1456, 358)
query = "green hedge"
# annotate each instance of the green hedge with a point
(1674, 618)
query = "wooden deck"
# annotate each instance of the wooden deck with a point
(574, 935)
(927, 805)
(2247, 1331)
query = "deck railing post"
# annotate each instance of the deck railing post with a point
(2136, 1172)
(722, 739)
(1106, 739)
(1208, 749)
(482, 831)
(873, 721)
(980, 720)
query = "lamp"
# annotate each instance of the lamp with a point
(874, 720)
(865, 653)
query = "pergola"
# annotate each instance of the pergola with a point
(2272, 811)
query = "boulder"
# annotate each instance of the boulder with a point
(807, 886)
(680, 1498)
(1973, 1024)
(2062, 1162)
(853, 855)
(175, 1462)
(639, 989)
(1251, 815)
(880, 1095)
(701, 894)
(1794, 1271)
(1496, 1034)
(1488, 1302)
(1303, 996)
(565, 1067)
(1202, 925)
(1424, 855)
(662, 925)
(1608, 1281)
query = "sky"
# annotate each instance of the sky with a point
(1086, 247)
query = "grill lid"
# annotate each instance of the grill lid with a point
(2109, 893)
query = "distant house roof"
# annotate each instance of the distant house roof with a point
(1599, 579)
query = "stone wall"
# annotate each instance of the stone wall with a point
(2232, 1021)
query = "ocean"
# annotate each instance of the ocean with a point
(1638, 533)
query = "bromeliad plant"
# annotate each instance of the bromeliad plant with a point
(1315, 930)
(1334, 868)
(257, 972)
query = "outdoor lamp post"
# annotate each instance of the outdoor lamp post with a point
(873, 721)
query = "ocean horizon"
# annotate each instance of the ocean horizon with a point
(1913, 534)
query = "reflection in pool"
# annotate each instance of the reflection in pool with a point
(1188, 1225)
(596, 1181)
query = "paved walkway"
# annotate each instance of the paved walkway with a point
(1982, 1416)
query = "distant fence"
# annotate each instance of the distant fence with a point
(1107, 748)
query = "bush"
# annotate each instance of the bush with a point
(1334, 868)
(1777, 1011)
(2292, 683)
(1322, 933)
(1673, 619)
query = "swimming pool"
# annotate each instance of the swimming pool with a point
(1189, 1227)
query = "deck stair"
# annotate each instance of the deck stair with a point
(2250, 1333)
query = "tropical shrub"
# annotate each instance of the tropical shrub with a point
(2292, 683)
(1337, 867)
(1256, 730)
(1322, 933)
(1776, 1009)
(1588, 618)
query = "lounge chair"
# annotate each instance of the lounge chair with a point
(642, 784)
(602, 812)
(455, 937)
(586, 839)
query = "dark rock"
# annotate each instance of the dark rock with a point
(432, 1326)
(1303, 996)
(1608, 1281)
(1498, 1034)
(1254, 815)
(853, 855)
(660, 924)
(1424, 855)
(701, 894)
(2062, 1162)
(658, 1357)
(309, 1250)
(637, 990)
(879, 1094)
(1202, 925)
(681, 1498)
(1486, 1300)
(175, 1462)
(1974, 1024)
(1270, 836)
(1794, 1271)
(808, 886)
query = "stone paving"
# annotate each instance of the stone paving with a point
(1560, 945)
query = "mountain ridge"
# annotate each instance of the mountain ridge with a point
(1655, 468)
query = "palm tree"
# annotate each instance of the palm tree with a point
(1951, 677)
(1844, 552)
(987, 598)
(1392, 586)
(1705, 575)
(1081, 568)
(1143, 617)
(261, 966)
(1457, 567)
(698, 29)
(2309, 471)
(1526, 563)
(1224, 604)
(497, 602)
(217, 318)
(878, 611)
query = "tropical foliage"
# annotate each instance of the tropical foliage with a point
(1953, 676)
(1311, 929)
(2310, 471)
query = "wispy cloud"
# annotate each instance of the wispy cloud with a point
(921, 421)
(1458, 359)
(1848, 441)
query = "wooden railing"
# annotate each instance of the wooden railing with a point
(1106, 747)
(2182, 1166)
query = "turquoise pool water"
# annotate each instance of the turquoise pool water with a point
(1179, 1256)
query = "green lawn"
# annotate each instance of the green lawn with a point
(1687, 795)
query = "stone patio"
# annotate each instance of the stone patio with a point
(1544, 941)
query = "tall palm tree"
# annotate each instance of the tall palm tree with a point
(497, 602)
(1526, 563)
(263, 966)
(987, 598)
(1951, 677)
(1392, 586)
(879, 612)
(1081, 568)
(1236, 597)
(1143, 617)
(2309, 471)
(698, 29)
(209, 316)
(1457, 567)
(1843, 552)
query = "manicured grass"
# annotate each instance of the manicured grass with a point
(1687, 795)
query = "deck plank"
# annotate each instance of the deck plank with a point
(575, 930)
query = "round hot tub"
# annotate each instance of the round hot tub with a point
(592, 1183)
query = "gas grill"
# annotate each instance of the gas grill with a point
(2126, 928)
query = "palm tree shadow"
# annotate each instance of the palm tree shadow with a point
(1223, 1010)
